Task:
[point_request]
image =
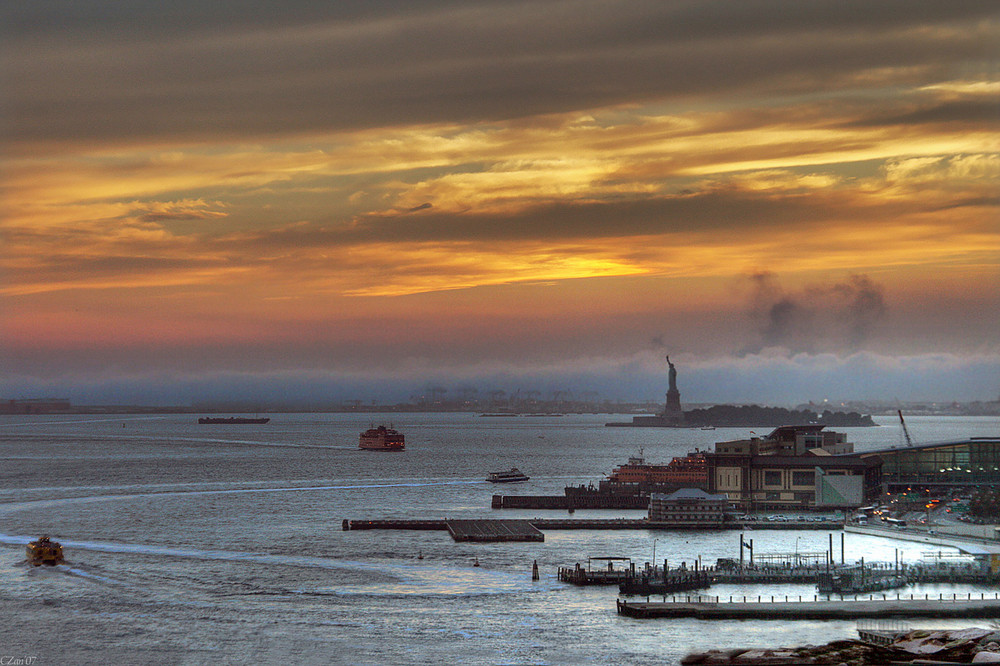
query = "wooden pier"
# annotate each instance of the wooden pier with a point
(711, 608)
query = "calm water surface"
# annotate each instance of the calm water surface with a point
(188, 544)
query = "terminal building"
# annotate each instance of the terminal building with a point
(966, 463)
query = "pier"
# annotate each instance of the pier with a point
(673, 581)
(460, 530)
(609, 571)
(573, 524)
(570, 502)
(660, 580)
(772, 607)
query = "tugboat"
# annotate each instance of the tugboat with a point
(44, 551)
(513, 474)
(382, 439)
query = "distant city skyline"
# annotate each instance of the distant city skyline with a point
(314, 201)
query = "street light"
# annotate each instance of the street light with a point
(797, 550)
(654, 553)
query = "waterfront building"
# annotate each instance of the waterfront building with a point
(691, 506)
(793, 467)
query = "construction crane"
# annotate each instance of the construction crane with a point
(906, 433)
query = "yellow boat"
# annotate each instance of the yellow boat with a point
(45, 551)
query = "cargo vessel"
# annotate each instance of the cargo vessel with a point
(510, 476)
(233, 419)
(382, 439)
(44, 551)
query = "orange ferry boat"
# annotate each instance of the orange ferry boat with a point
(639, 478)
(382, 439)
(689, 470)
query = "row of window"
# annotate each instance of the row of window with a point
(686, 516)
(774, 478)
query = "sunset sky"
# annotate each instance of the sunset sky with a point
(795, 200)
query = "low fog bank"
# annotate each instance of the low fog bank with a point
(772, 377)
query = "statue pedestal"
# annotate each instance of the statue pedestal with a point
(673, 412)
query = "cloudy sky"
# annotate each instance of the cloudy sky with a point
(795, 200)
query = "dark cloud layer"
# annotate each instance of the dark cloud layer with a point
(76, 71)
(734, 211)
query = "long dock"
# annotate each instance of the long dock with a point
(575, 524)
(460, 530)
(570, 502)
(710, 608)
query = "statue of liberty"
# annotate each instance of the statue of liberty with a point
(673, 410)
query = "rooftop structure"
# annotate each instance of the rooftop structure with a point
(796, 440)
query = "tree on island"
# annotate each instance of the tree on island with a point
(754, 415)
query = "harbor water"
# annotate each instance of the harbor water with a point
(193, 544)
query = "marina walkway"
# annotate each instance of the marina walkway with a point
(966, 544)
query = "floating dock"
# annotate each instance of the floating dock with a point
(460, 530)
(494, 530)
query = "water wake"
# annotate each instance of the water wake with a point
(407, 579)
(35, 504)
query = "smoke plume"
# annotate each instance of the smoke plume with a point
(818, 318)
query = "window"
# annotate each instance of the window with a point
(772, 478)
(803, 478)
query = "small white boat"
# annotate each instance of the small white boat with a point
(511, 475)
